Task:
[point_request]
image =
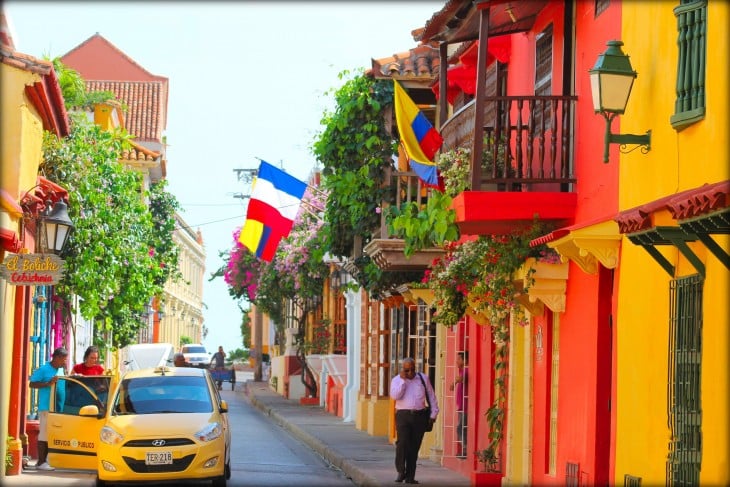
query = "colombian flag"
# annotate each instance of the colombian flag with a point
(272, 208)
(419, 138)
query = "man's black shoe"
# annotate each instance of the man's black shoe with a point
(400, 478)
(412, 481)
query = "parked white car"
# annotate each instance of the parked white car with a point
(195, 355)
(145, 355)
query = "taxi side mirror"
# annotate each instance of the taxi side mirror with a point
(90, 410)
(224, 406)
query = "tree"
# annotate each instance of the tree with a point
(119, 255)
(356, 149)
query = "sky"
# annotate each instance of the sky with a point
(247, 80)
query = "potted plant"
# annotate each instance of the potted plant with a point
(455, 166)
(489, 460)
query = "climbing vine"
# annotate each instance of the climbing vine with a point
(120, 252)
(356, 148)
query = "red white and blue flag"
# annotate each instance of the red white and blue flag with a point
(272, 208)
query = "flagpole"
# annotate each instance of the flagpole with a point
(306, 204)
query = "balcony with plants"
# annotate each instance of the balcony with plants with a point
(411, 210)
(520, 138)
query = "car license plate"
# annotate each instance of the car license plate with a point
(158, 458)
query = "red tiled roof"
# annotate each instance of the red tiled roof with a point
(98, 59)
(421, 62)
(139, 153)
(145, 117)
(106, 68)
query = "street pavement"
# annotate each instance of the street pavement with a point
(367, 460)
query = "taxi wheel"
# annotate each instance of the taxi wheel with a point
(220, 481)
(100, 483)
(228, 470)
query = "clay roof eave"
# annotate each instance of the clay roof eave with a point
(45, 95)
(458, 21)
(685, 205)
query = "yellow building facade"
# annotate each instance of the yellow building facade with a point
(183, 298)
(672, 327)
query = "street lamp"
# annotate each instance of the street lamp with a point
(337, 278)
(56, 227)
(611, 80)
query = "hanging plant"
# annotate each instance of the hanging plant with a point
(455, 165)
(477, 275)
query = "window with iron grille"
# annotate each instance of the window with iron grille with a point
(632, 481)
(384, 355)
(689, 106)
(339, 323)
(600, 6)
(685, 373)
(572, 474)
(543, 78)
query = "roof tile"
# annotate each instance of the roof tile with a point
(145, 117)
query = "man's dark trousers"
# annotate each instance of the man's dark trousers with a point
(410, 427)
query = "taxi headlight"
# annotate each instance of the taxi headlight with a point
(109, 436)
(210, 432)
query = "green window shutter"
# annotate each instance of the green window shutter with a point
(689, 106)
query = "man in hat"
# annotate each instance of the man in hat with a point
(42, 379)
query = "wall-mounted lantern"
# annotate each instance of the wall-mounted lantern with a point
(611, 80)
(338, 278)
(56, 227)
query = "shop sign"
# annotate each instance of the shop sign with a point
(32, 269)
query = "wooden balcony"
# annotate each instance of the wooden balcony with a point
(533, 136)
(534, 132)
(387, 252)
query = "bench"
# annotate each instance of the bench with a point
(224, 375)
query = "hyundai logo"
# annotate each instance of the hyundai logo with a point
(158, 443)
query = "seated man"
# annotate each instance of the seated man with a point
(179, 360)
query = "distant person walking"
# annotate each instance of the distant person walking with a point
(218, 361)
(42, 379)
(90, 365)
(410, 390)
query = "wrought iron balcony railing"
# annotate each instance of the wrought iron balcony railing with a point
(532, 135)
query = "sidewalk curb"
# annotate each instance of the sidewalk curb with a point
(357, 475)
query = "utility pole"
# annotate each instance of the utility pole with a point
(245, 175)
(258, 329)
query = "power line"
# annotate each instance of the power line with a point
(185, 205)
(210, 222)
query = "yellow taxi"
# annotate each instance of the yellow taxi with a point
(156, 425)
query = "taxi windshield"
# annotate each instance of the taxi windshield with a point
(163, 394)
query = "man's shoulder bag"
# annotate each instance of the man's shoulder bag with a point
(429, 425)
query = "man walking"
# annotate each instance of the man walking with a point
(42, 379)
(219, 358)
(412, 392)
